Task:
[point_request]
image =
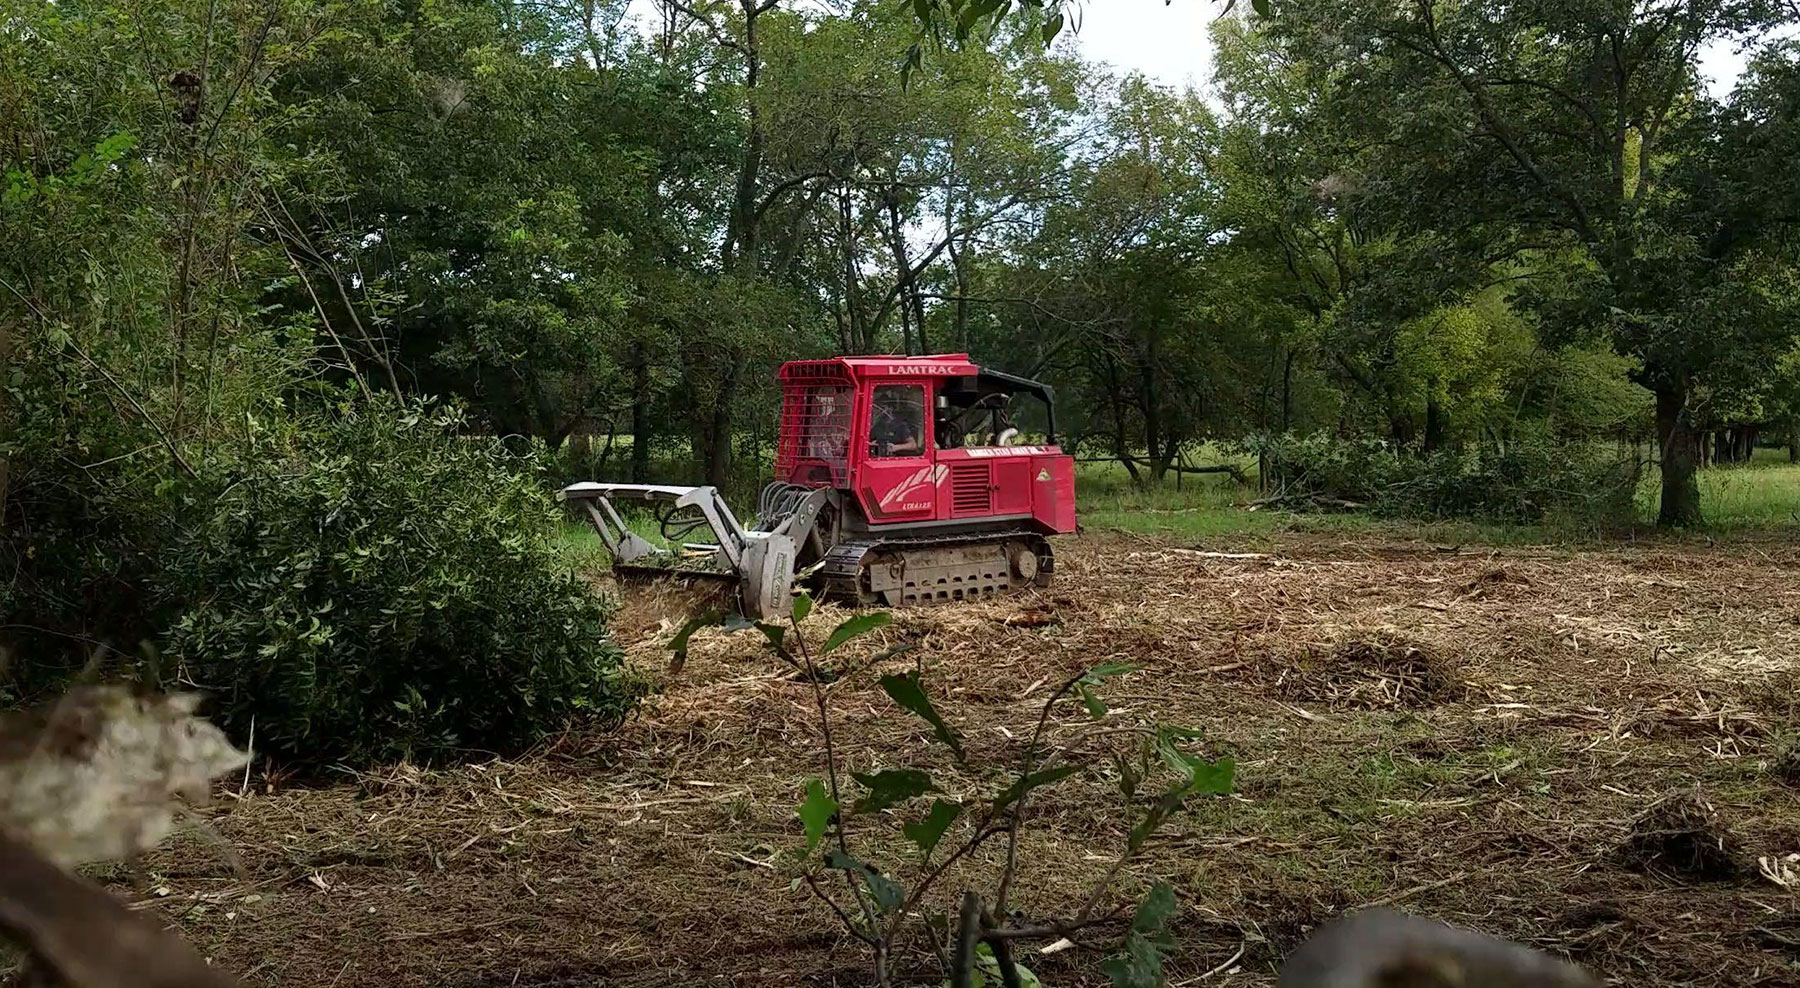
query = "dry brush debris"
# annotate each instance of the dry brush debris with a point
(1498, 799)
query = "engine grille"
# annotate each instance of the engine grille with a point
(971, 490)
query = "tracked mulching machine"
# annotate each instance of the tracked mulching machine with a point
(898, 481)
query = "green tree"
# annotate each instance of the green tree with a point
(1111, 283)
(1577, 130)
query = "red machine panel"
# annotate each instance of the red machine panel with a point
(866, 425)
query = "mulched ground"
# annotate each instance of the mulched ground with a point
(1594, 751)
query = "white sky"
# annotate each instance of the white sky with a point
(1169, 41)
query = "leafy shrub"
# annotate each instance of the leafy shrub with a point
(90, 499)
(1580, 485)
(1589, 485)
(386, 588)
(1320, 470)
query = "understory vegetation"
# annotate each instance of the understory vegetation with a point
(398, 597)
(306, 308)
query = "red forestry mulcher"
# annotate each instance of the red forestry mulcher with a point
(898, 481)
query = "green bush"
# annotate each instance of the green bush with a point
(386, 588)
(1585, 484)
(90, 500)
(1320, 470)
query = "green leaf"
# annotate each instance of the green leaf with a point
(1035, 780)
(855, 627)
(1209, 777)
(1262, 8)
(904, 689)
(889, 653)
(1129, 776)
(887, 892)
(1154, 912)
(776, 634)
(1053, 27)
(1213, 778)
(680, 643)
(735, 623)
(986, 964)
(964, 23)
(803, 605)
(816, 812)
(927, 832)
(891, 788)
(1095, 708)
(1139, 965)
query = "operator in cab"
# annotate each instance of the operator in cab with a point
(896, 426)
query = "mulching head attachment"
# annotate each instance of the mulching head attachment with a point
(759, 563)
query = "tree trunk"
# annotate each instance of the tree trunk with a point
(912, 308)
(1153, 439)
(6, 347)
(640, 420)
(718, 432)
(1794, 443)
(1120, 450)
(740, 249)
(960, 321)
(961, 328)
(1680, 481)
(853, 311)
(1287, 391)
(1434, 425)
(1147, 406)
(1400, 429)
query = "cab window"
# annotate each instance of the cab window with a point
(897, 421)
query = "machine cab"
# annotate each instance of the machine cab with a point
(925, 441)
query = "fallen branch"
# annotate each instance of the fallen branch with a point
(85, 936)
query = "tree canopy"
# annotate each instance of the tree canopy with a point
(1442, 225)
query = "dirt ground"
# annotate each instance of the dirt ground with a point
(1593, 751)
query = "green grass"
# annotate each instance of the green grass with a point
(1760, 496)
(1763, 495)
(1201, 506)
(582, 547)
(1213, 507)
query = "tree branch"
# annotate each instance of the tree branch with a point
(1502, 130)
(719, 37)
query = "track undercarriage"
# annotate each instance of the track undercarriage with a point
(923, 571)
